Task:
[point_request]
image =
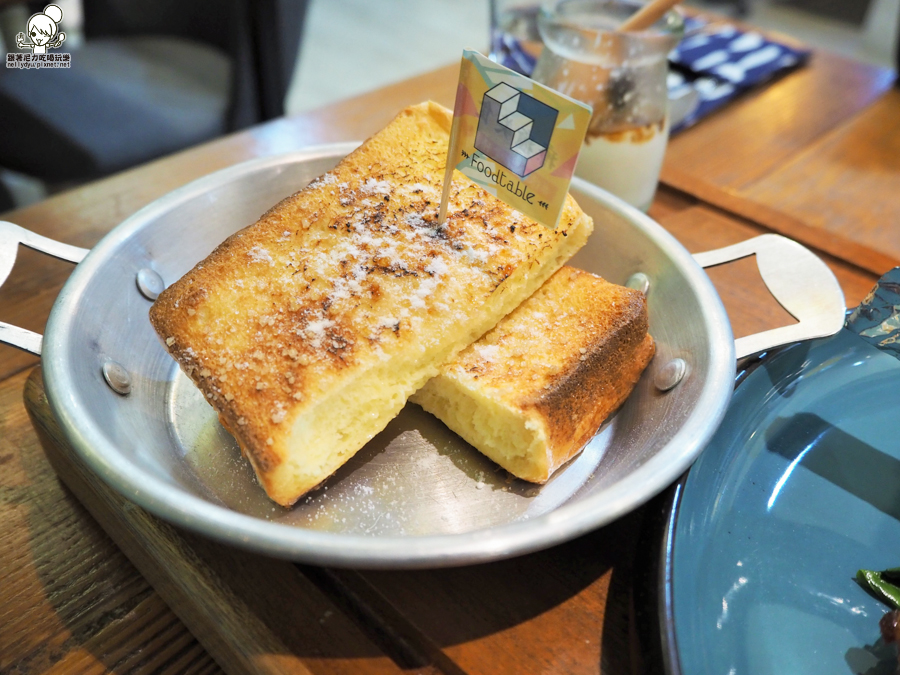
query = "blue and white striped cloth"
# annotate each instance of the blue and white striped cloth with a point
(721, 63)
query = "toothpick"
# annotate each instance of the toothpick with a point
(448, 172)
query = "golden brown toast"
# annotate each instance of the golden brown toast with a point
(534, 390)
(308, 330)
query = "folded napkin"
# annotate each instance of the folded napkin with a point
(507, 51)
(877, 319)
(720, 63)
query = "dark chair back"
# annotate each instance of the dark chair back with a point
(262, 37)
(64, 125)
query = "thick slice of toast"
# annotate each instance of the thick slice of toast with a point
(308, 330)
(533, 391)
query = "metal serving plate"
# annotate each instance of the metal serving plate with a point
(415, 496)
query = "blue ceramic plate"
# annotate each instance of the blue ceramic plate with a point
(799, 488)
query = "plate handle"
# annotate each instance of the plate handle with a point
(798, 279)
(10, 237)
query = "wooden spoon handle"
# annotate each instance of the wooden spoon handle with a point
(647, 15)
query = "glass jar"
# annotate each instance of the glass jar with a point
(623, 77)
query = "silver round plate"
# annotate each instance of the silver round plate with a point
(415, 496)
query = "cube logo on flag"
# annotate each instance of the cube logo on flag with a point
(514, 129)
(513, 137)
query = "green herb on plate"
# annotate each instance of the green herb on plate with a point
(883, 585)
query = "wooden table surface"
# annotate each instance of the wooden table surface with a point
(815, 155)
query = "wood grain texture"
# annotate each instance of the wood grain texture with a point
(825, 239)
(847, 185)
(668, 202)
(253, 614)
(761, 130)
(563, 610)
(795, 158)
(70, 602)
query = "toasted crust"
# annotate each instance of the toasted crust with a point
(534, 390)
(308, 330)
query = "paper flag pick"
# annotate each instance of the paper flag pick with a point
(517, 139)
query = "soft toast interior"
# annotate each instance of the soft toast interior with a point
(535, 389)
